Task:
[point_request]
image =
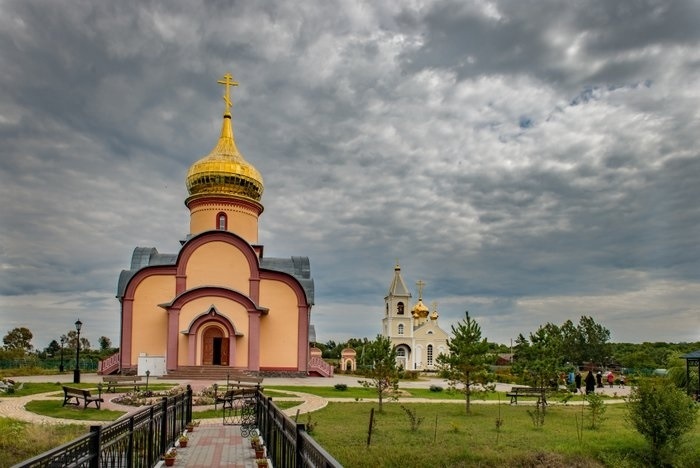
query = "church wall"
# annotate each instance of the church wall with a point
(218, 264)
(150, 320)
(241, 220)
(278, 337)
(233, 311)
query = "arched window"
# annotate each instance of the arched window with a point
(399, 308)
(430, 355)
(400, 352)
(221, 222)
(387, 309)
(401, 329)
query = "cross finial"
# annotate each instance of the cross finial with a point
(227, 81)
(434, 304)
(420, 285)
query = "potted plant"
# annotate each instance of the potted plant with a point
(254, 440)
(183, 440)
(169, 456)
(191, 425)
(260, 451)
(261, 461)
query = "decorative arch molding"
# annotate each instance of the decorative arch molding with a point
(173, 308)
(211, 315)
(214, 291)
(226, 237)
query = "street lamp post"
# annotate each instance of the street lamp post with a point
(76, 372)
(63, 342)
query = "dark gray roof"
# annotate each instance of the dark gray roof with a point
(298, 267)
(692, 355)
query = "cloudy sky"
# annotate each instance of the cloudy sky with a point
(532, 162)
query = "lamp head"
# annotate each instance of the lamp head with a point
(78, 324)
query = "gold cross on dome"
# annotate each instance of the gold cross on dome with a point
(227, 81)
(420, 285)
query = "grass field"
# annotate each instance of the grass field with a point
(448, 437)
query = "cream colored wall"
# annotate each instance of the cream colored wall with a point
(279, 328)
(240, 221)
(236, 314)
(150, 322)
(218, 264)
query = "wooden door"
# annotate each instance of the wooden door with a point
(208, 344)
(224, 351)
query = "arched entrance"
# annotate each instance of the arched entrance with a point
(215, 347)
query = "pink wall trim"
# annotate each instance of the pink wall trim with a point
(220, 236)
(127, 326)
(172, 338)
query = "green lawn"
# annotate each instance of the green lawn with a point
(449, 437)
(55, 409)
(20, 440)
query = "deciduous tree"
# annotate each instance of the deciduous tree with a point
(18, 340)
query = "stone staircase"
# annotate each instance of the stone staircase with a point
(203, 373)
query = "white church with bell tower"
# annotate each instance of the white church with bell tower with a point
(414, 331)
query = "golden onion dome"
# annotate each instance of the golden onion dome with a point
(420, 309)
(224, 171)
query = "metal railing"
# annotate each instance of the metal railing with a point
(134, 442)
(288, 443)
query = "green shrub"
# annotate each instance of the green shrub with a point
(341, 387)
(662, 414)
(435, 388)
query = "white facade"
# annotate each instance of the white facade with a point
(413, 331)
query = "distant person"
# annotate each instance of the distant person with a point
(590, 383)
(622, 381)
(577, 380)
(611, 379)
(599, 379)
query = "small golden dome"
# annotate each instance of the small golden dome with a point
(224, 171)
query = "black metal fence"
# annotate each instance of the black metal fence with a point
(288, 443)
(140, 440)
(134, 442)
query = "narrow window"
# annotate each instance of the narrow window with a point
(222, 222)
(430, 355)
(399, 308)
(401, 329)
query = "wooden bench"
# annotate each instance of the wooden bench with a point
(237, 386)
(516, 392)
(77, 394)
(122, 381)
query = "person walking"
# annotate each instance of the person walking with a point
(611, 379)
(599, 379)
(590, 383)
(577, 379)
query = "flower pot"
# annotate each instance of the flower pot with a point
(190, 428)
(260, 452)
(169, 461)
(183, 443)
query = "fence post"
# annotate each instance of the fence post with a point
(150, 459)
(188, 411)
(164, 427)
(298, 459)
(95, 445)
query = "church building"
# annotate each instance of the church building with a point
(414, 333)
(218, 301)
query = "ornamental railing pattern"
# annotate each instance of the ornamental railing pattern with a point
(109, 365)
(317, 364)
(137, 441)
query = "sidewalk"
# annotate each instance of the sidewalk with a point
(216, 445)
